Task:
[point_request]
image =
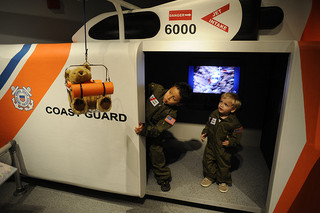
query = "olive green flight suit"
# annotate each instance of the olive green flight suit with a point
(217, 158)
(159, 117)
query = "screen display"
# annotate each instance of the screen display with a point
(214, 79)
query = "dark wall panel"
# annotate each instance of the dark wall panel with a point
(262, 78)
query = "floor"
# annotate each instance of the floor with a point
(248, 194)
(250, 181)
(47, 197)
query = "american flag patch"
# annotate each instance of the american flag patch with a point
(170, 120)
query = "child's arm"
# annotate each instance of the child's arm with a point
(203, 136)
(204, 132)
(151, 130)
(226, 142)
(139, 129)
(234, 139)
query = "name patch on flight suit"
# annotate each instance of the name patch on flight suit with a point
(213, 121)
(153, 100)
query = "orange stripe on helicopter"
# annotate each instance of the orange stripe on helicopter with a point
(30, 86)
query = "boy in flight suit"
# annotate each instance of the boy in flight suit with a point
(223, 130)
(161, 114)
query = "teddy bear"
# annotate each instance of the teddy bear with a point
(80, 105)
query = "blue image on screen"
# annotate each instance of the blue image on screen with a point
(214, 79)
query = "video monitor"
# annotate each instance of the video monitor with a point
(206, 79)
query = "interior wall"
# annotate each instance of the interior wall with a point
(33, 22)
(262, 78)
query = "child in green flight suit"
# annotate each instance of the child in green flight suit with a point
(161, 114)
(223, 131)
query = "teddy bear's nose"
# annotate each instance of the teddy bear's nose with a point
(80, 72)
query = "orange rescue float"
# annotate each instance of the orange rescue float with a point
(92, 88)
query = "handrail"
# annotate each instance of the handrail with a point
(120, 19)
(117, 4)
(5, 148)
(11, 147)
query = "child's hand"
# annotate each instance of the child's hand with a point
(203, 136)
(139, 129)
(226, 142)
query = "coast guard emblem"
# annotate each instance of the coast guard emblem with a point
(21, 99)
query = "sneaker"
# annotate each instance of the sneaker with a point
(165, 186)
(223, 187)
(206, 182)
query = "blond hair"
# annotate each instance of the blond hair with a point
(236, 100)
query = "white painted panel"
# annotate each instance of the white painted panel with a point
(291, 132)
(97, 150)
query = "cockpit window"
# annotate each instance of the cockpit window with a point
(138, 25)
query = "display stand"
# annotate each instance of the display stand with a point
(7, 171)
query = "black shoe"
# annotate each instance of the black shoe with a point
(165, 186)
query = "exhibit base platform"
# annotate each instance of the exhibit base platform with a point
(248, 192)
